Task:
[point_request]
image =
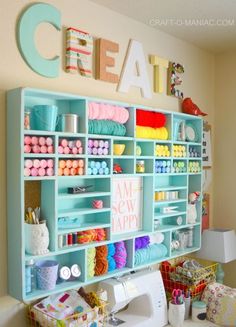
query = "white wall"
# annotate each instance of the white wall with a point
(225, 153)
(100, 22)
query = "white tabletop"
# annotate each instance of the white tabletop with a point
(190, 323)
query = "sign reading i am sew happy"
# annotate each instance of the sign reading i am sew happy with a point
(127, 202)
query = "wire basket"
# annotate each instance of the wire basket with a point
(175, 276)
(96, 317)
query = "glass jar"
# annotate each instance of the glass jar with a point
(140, 166)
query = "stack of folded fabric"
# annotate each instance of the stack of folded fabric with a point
(151, 125)
(107, 119)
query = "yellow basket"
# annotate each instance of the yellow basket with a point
(95, 317)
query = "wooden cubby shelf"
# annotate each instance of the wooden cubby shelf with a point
(161, 167)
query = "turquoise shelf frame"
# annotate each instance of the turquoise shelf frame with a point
(53, 197)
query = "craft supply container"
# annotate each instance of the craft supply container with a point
(69, 123)
(36, 238)
(176, 314)
(198, 311)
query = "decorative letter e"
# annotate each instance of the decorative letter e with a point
(28, 22)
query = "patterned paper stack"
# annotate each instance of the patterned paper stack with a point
(38, 167)
(71, 167)
(38, 144)
(98, 168)
(70, 146)
(98, 147)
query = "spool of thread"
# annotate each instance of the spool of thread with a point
(97, 204)
(69, 239)
(60, 241)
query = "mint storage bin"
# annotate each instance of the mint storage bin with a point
(44, 117)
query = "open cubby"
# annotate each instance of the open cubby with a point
(126, 165)
(129, 148)
(127, 204)
(147, 149)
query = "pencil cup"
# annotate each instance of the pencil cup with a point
(176, 314)
(36, 238)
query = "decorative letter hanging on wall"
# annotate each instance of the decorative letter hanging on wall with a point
(173, 79)
(134, 72)
(158, 66)
(103, 60)
(79, 52)
(29, 21)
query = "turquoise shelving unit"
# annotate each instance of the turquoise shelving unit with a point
(56, 202)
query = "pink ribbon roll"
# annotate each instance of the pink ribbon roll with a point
(27, 140)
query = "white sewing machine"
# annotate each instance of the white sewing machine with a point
(141, 296)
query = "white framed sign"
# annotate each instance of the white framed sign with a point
(127, 204)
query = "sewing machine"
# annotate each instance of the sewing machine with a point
(142, 297)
